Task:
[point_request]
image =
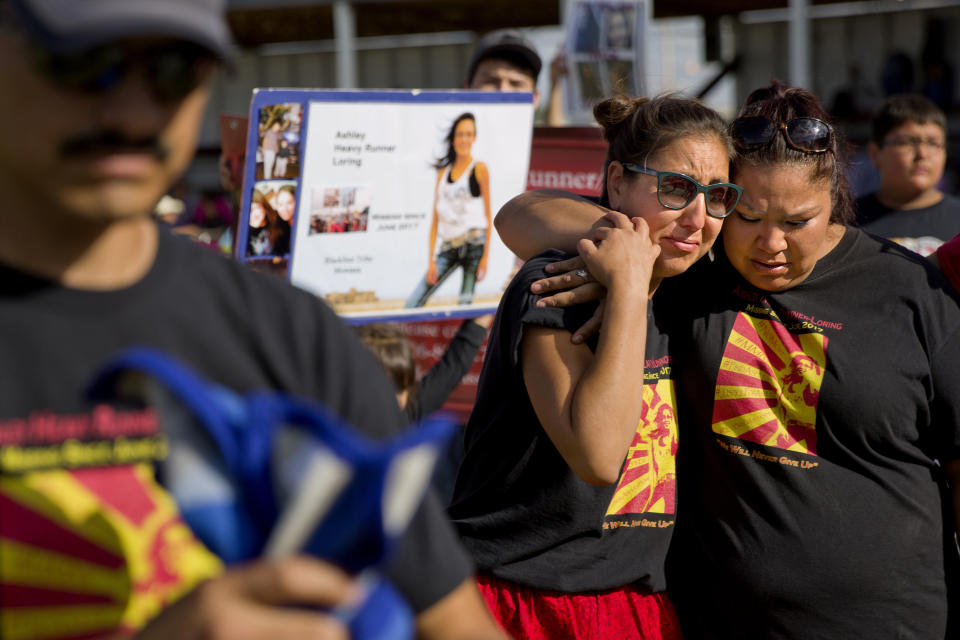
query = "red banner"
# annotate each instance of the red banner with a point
(428, 342)
(568, 158)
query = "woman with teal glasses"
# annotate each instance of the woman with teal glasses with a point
(566, 495)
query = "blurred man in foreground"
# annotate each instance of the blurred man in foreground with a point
(100, 110)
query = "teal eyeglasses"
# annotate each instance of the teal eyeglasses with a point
(676, 191)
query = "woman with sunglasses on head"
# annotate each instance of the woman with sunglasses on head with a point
(819, 373)
(566, 494)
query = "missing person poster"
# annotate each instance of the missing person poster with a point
(383, 202)
(604, 52)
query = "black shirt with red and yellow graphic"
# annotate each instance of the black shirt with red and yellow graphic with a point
(90, 541)
(521, 511)
(814, 422)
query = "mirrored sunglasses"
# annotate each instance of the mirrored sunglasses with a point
(676, 191)
(173, 70)
(809, 135)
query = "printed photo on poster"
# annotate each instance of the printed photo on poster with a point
(586, 37)
(591, 83)
(278, 141)
(339, 210)
(397, 190)
(604, 48)
(619, 27)
(621, 76)
(272, 207)
(461, 221)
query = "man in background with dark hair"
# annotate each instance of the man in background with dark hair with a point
(504, 61)
(908, 147)
(100, 110)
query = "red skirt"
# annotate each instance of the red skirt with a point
(536, 614)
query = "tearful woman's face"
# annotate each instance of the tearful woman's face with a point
(781, 226)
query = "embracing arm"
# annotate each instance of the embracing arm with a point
(546, 219)
(483, 179)
(591, 403)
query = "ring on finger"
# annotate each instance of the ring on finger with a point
(582, 273)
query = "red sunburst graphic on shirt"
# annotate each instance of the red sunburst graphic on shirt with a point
(769, 384)
(91, 551)
(648, 481)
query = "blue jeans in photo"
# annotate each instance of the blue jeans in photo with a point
(467, 256)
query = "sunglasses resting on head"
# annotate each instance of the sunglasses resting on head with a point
(809, 135)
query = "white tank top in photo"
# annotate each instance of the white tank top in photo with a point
(457, 210)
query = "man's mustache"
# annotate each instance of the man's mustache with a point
(107, 142)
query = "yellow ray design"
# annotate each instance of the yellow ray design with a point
(793, 387)
(649, 463)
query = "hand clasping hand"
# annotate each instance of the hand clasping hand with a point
(575, 284)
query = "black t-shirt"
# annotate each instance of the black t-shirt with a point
(920, 230)
(281, 239)
(241, 329)
(812, 419)
(521, 511)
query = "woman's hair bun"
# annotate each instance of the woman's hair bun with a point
(611, 113)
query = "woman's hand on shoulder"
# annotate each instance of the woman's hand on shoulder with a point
(571, 287)
(575, 283)
(621, 255)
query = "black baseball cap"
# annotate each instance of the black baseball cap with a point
(505, 41)
(66, 26)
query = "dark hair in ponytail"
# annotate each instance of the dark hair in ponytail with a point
(637, 128)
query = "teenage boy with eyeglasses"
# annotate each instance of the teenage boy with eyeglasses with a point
(908, 149)
(100, 109)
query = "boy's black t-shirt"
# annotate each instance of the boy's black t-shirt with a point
(920, 230)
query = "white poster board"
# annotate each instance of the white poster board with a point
(374, 172)
(604, 51)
